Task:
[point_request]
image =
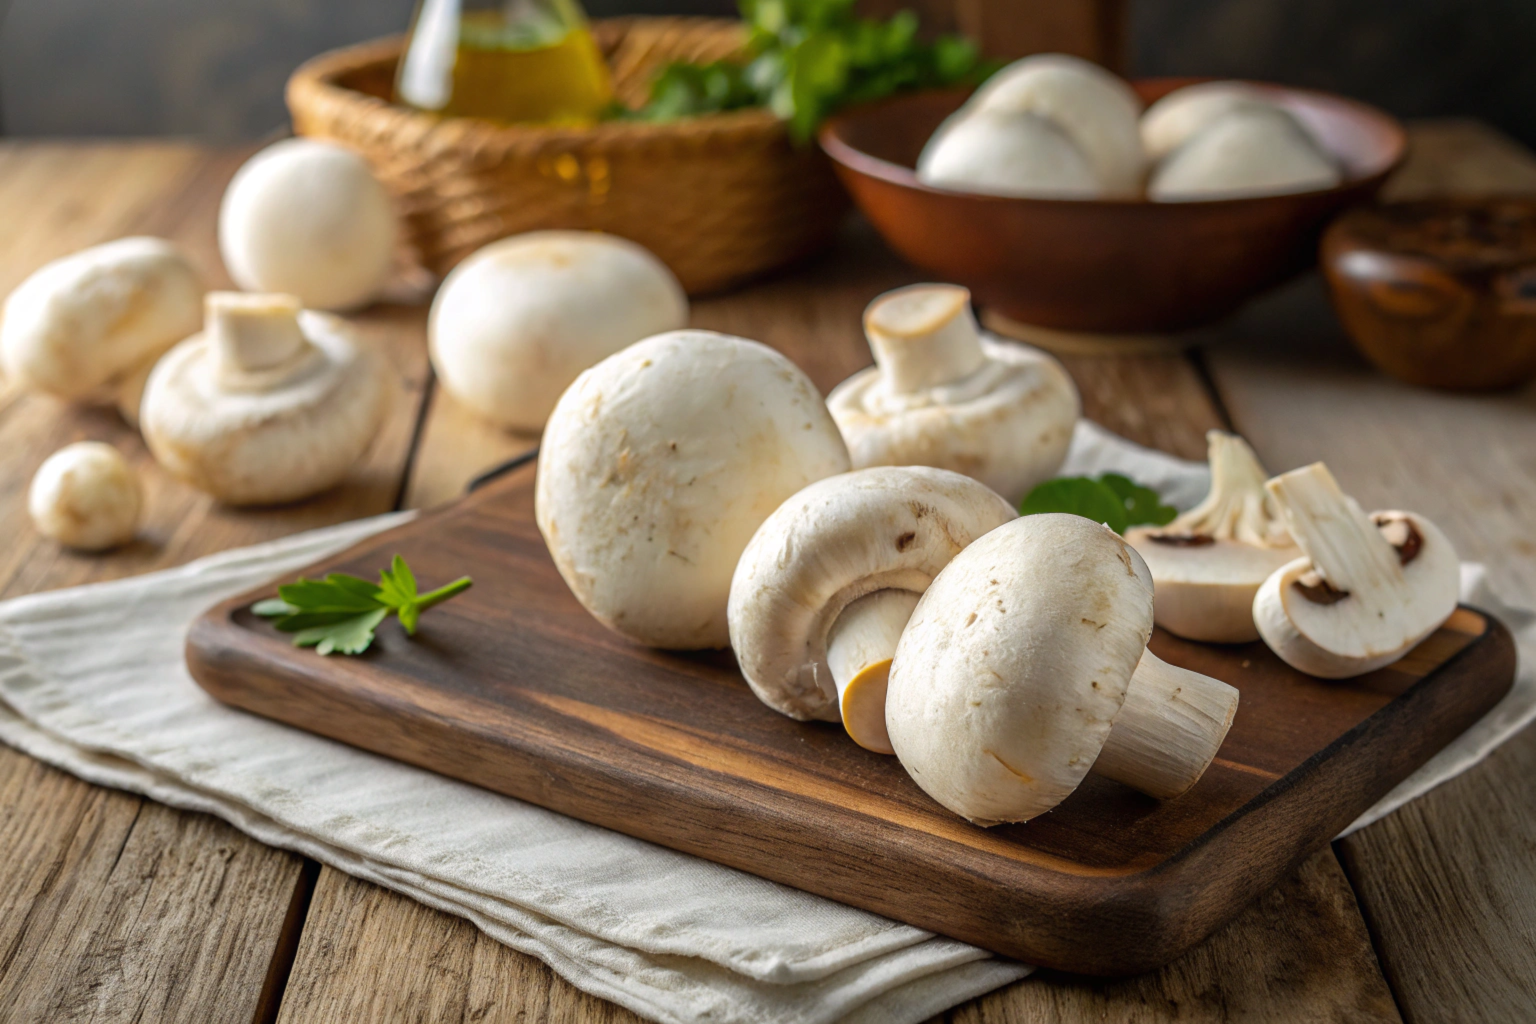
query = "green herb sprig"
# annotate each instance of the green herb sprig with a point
(1116, 501)
(338, 615)
(808, 58)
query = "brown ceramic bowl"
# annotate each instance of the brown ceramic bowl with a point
(1439, 293)
(1124, 266)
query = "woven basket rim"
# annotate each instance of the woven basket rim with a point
(314, 83)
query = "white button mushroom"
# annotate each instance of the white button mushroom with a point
(941, 395)
(822, 593)
(1210, 562)
(657, 466)
(1368, 589)
(1098, 110)
(1253, 150)
(269, 404)
(1180, 115)
(1025, 665)
(1003, 154)
(89, 326)
(516, 322)
(86, 496)
(308, 218)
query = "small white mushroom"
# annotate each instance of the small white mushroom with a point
(1367, 589)
(268, 404)
(941, 395)
(1095, 108)
(86, 496)
(516, 322)
(1025, 666)
(1253, 150)
(821, 595)
(1003, 154)
(308, 218)
(89, 326)
(658, 465)
(1180, 115)
(1210, 562)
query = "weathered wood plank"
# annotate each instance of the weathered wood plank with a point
(1447, 884)
(1300, 954)
(118, 908)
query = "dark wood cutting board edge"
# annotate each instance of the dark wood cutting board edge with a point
(921, 866)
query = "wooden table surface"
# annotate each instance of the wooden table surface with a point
(115, 908)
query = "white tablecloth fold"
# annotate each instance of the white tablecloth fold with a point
(92, 680)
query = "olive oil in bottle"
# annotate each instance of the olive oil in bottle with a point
(504, 60)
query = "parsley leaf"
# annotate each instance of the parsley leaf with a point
(340, 613)
(1116, 501)
(805, 59)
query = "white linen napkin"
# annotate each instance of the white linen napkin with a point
(672, 937)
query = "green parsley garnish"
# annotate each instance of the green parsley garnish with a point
(1116, 501)
(337, 615)
(805, 59)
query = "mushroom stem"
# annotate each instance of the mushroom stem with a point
(1347, 549)
(924, 336)
(1237, 506)
(254, 332)
(860, 646)
(1168, 730)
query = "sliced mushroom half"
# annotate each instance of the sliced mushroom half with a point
(941, 395)
(1367, 589)
(824, 589)
(1025, 666)
(1210, 562)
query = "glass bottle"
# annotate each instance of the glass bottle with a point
(504, 60)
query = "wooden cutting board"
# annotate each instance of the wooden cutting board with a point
(512, 686)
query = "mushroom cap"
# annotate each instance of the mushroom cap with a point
(81, 322)
(515, 323)
(1339, 640)
(832, 543)
(283, 435)
(1008, 425)
(86, 496)
(308, 218)
(1205, 592)
(1097, 109)
(658, 465)
(1007, 154)
(1253, 150)
(1180, 115)
(1012, 669)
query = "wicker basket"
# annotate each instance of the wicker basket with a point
(719, 198)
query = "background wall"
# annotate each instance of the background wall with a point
(215, 68)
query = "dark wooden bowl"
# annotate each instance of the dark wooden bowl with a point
(1441, 293)
(1104, 265)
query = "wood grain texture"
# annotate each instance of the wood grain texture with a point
(1447, 883)
(112, 907)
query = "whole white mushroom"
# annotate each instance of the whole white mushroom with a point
(1094, 107)
(269, 404)
(1252, 150)
(657, 467)
(89, 326)
(1004, 154)
(515, 323)
(1180, 115)
(308, 218)
(942, 395)
(86, 496)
